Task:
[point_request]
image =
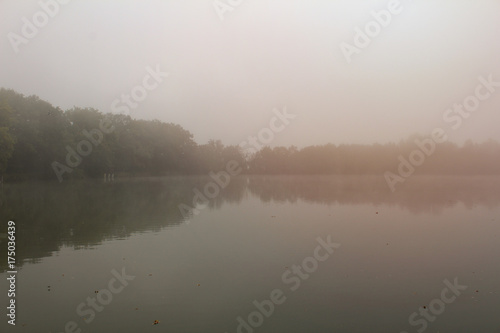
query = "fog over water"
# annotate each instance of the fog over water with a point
(225, 76)
(249, 166)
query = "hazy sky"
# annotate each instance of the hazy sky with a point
(226, 76)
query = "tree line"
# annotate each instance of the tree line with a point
(38, 140)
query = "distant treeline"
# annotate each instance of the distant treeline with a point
(38, 140)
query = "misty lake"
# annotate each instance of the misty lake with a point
(267, 254)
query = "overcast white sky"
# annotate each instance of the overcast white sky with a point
(226, 76)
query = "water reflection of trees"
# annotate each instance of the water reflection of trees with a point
(418, 194)
(50, 215)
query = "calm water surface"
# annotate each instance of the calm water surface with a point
(202, 272)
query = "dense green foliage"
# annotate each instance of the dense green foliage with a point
(34, 136)
(6, 138)
(38, 140)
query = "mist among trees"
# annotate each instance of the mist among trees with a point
(36, 139)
